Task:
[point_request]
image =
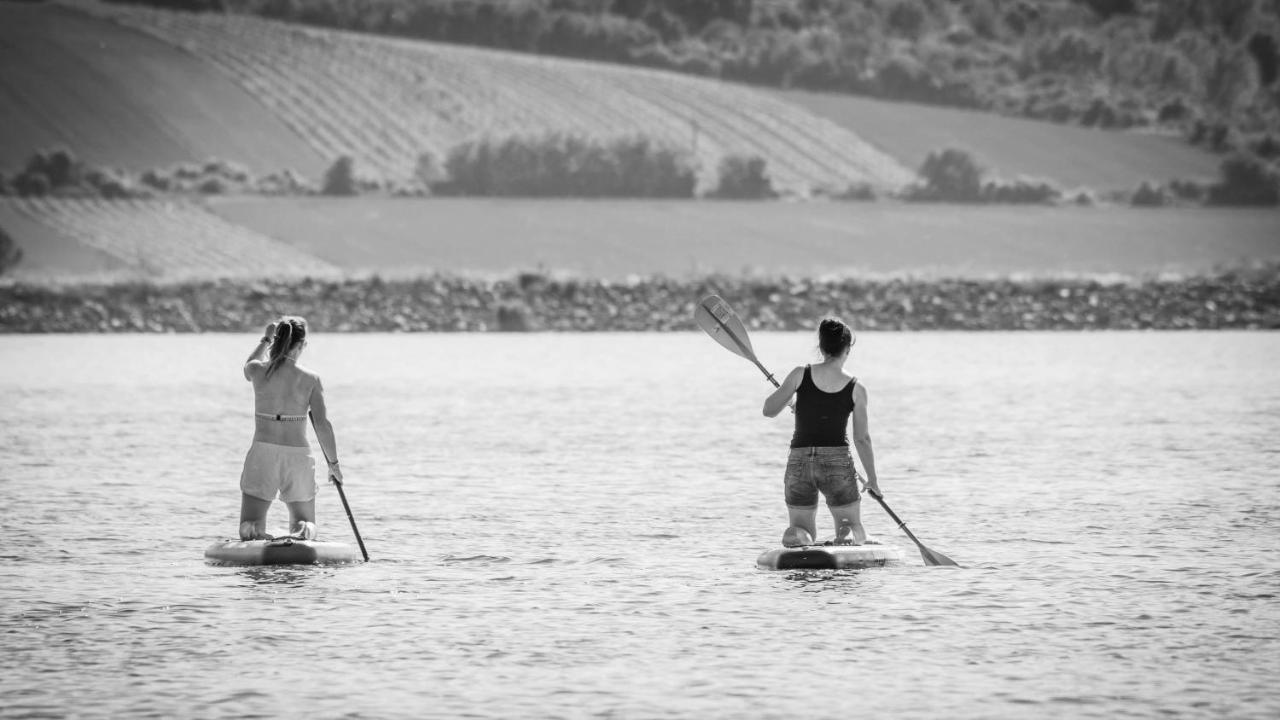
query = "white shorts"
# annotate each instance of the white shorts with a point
(286, 470)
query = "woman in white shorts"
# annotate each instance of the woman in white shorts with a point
(279, 462)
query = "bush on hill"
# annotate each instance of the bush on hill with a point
(950, 175)
(954, 175)
(10, 253)
(560, 165)
(340, 178)
(744, 177)
(58, 172)
(1149, 195)
(1246, 180)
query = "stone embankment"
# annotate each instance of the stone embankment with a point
(531, 302)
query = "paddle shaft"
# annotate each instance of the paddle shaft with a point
(341, 494)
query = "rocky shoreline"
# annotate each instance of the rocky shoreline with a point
(1235, 299)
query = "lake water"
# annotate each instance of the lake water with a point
(567, 526)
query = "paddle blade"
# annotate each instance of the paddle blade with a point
(933, 557)
(719, 321)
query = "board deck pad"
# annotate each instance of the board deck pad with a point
(281, 551)
(829, 557)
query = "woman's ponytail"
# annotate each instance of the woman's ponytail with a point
(280, 345)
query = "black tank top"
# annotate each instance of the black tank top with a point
(821, 417)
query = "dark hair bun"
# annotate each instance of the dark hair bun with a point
(834, 337)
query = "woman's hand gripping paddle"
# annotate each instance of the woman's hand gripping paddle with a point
(343, 495)
(719, 321)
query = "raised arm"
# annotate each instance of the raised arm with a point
(781, 397)
(862, 437)
(324, 431)
(254, 362)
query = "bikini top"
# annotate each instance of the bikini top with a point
(281, 418)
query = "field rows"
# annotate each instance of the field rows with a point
(167, 240)
(386, 101)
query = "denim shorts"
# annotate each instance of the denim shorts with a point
(828, 470)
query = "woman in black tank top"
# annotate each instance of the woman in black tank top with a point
(820, 461)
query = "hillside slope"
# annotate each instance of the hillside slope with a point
(157, 240)
(122, 98)
(387, 101)
(1071, 156)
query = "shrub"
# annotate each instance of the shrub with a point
(1022, 191)
(284, 182)
(858, 191)
(1263, 49)
(10, 253)
(566, 166)
(340, 178)
(1188, 190)
(158, 180)
(1246, 180)
(744, 177)
(907, 18)
(950, 175)
(32, 184)
(1149, 195)
(1107, 8)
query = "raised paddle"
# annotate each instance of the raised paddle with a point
(341, 494)
(719, 321)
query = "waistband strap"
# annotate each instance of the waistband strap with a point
(285, 449)
(281, 418)
(821, 451)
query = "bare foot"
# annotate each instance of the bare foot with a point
(855, 535)
(796, 537)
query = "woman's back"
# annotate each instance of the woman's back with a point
(824, 401)
(280, 403)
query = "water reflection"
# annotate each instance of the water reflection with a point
(284, 577)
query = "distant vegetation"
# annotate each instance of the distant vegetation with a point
(744, 177)
(559, 165)
(953, 175)
(10, 253)
(1210, 67)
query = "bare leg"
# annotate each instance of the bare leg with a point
(848, 519)
(802, 519)
(302, 518)
(253, 517)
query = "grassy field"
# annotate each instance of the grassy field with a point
(129, 240)
(615, 239)
(1071, 156)
(119, 97)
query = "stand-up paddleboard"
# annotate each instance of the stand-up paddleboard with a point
(281, 551)
(829, 557)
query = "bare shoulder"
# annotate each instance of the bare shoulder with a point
(254, 369)
(310, 376)
(859, 391)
